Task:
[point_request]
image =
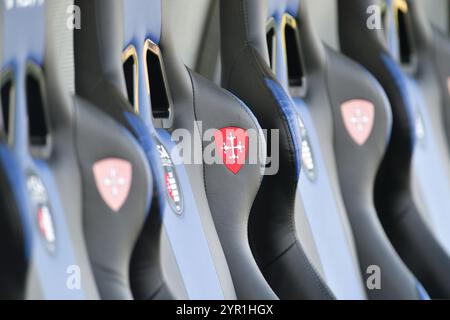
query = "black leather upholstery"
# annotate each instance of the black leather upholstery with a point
(96, 76)
(217, 192)
(111, 237)
(396, 206)
(272, 233)
(331, 81)
(357, 163)
(230, 196)
(111, 232)
(57, 149)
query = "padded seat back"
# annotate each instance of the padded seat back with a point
(126, 59)
(414, 174)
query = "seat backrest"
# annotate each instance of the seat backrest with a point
(343, 136)
(87, 190)
(281, 231)
(125, 59)
(414, 173)
(233, 180)
(298, 55)
(361, 121)
(32, 140)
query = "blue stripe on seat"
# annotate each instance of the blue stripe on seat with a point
(185, 232)
(277, 8)
(52, 266)
(187, 237)
(401, 83)
(288, 110)
(423, 294)
(144, 134)
(325, 218)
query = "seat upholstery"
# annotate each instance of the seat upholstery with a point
(15, 226)
(358, 158)
(14, 223)
(49, 258)
(215, 201)
(59, 144)
(341, 163)
(412, 188)
(273, 226)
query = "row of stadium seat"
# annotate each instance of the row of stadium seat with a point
(308, 173)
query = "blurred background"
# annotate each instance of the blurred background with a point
(200, 40)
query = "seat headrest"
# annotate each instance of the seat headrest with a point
(124, 32)
(108, 29)
(355, 14)
(248, 23)
(23, 32)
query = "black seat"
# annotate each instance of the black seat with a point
(39, 172)
(274, 223)
(344, 123)
(413, 187)
(79, 180)
(15, 247)
(126, 62)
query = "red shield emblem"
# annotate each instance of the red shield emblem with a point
(358, 118)
(232, 144)
(113, 179)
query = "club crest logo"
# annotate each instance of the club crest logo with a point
(44, 220)
(359, 116)
(170, 180)
(113, 178)
(232, 144)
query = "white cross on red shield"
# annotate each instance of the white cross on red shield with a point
(359, 117)
(113, 180)
(232, 145)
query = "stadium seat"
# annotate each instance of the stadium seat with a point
(75, 178)
(339, 115)
(412, 191)
(127, 62)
